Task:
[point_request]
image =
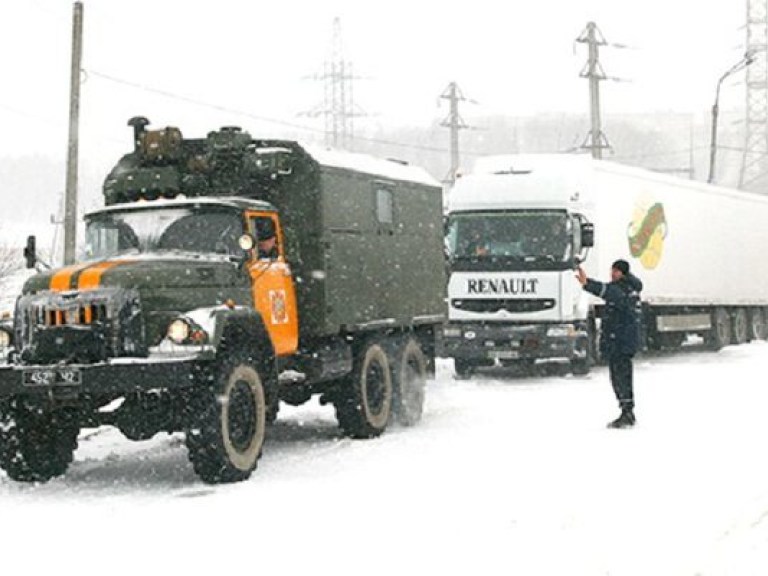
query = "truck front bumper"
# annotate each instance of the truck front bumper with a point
(112, 378)
(511, 342)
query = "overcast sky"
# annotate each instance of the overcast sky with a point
(514, 57)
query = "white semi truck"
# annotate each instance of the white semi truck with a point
(519, 225)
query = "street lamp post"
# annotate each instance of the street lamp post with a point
(746, 60)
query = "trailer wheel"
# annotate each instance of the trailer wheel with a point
(757, 329)
(409, 380)
(740, 332)
(363, 401)
(228, 420)
(719, 335)
(36, 445)
(580, 366)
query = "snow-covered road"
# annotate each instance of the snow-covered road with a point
(504, 476)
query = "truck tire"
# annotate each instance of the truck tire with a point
(757, 329)
(363, 401)
(580, 366)
(463, 369)
(409, 379)
(740, 330)
(719, 335)
(228, 420)
(35, 445)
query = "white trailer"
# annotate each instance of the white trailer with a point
(699, 250)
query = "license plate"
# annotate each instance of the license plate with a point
(505, 354)
(52, 377)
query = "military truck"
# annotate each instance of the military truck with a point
(176, 321)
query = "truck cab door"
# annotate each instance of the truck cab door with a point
(274, 295)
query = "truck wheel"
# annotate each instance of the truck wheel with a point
(720, 333)
(35, 445)
(228, 423)
(364, 401)
(757, 324)
(740, 334)
(463, 369)
(580, 366)
(409, 379)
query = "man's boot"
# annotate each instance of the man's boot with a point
(625, 420)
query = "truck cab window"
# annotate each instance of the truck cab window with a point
(385, 210)
(516, 235)
(194, 230)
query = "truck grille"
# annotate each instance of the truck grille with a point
(512, 305)
(80, 315)
(77, 327)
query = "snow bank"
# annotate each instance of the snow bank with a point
(504, 476)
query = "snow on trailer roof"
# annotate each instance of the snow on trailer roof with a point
(386, 168)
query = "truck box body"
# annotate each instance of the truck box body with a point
(690, 243)
(361, 232)
(378, 237)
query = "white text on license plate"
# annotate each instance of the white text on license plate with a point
(52, 377)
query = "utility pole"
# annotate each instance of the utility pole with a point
(745, 61)
(70, 201)
(338, 107)
(754, 164)
(596, 141)
(454, 123)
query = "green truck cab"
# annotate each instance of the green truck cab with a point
(226, 274)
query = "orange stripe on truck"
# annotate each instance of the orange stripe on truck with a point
(91, 278)
(60, 281)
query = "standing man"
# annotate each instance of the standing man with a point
(619, 333)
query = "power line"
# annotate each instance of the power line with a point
(265, 119)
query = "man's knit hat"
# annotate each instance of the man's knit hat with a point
(622, 266)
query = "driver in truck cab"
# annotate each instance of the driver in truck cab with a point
(266, 238)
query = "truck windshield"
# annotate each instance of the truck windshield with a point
(191, 229)
(528, 236)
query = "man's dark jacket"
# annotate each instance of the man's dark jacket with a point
(620, 333)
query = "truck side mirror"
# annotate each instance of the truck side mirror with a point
(587, 235)
(30, 252)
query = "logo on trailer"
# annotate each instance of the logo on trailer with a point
(646, 233)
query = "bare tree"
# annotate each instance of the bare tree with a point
(10, 261)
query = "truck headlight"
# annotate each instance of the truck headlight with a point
(185, 331)
(179, 331)
(560, 331)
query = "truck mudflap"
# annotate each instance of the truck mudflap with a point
(117, 377)
(510, 342)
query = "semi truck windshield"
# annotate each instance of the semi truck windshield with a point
(519, 235)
